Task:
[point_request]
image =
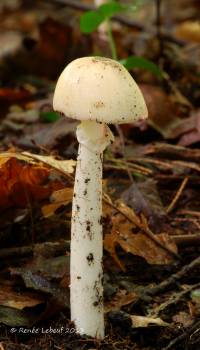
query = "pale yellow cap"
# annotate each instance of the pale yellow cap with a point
(100, 89)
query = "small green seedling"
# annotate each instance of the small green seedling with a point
(140, 62)
(91, 20)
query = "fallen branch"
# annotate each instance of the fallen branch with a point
(163, 286)
(55, 247)
(174, 299)
(51, 247)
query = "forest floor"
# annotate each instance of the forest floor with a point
(151, 215)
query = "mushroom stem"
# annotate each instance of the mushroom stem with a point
(86, 286)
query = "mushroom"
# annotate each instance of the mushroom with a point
(97, 91)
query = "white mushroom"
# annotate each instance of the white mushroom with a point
(97, 91)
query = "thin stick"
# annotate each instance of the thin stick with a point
(164, 285)
(16, 252)
(131, 166)
(177, 196)
(189, 212)
(181, 337)
(194, 221)
(186, 240)
(174, 299)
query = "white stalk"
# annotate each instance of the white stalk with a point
(86, 286)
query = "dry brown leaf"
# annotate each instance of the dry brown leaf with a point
(59, 198)
(121, 298)
(122, 233)
(63, 195)
(66, 166)
(11, 298)
(110, 242)
(189, 30)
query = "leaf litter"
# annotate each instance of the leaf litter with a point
(151, 219)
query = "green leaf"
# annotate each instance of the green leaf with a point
(92, 19)
(140, 62)
(49, 116)
(111, 8)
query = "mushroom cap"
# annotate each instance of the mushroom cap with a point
(99, 89)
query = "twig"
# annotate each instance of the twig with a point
(169, 164)
(123, 163)
(177, 196)
(1, 347)
(164, 285)
(55, 247)
(189, 165)
(162, 177)
(144, 227)
(174, 299)
(15, 252)
(158, 162)
(186, 240)
(194, 221)
(167, 150)
(189, 212)
(182, 336)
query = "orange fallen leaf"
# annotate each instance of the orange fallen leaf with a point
(22, 183)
